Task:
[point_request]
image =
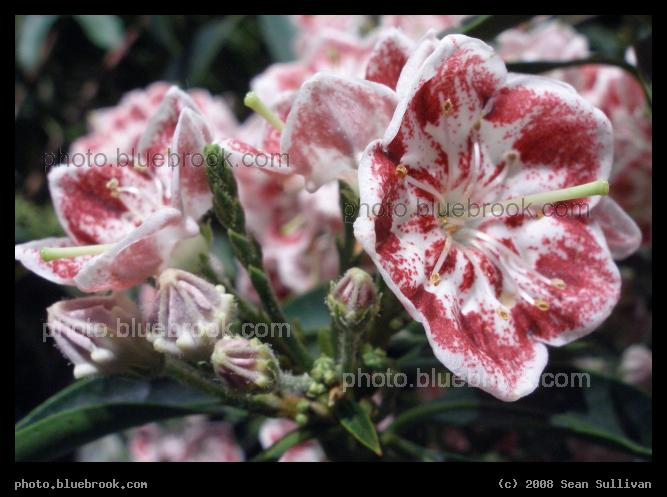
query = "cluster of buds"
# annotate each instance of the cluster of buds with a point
(354, 300)
(245, 364)
(188, 315)
(102, 335)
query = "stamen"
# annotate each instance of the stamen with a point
(292, 225)
(542, 305)
(435, 274)
(253, 101)
(558, 283)
(334, 55)
(112, 185)
(511, 156)
(52, 253)
(401, 171)
(503, 313)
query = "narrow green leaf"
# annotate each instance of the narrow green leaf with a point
(92, 408)
(357, 422)
(207, 43)
(488, 27)
(31, 38)
(106, 32)
(278, 32)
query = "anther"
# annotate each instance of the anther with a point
(447, 107)
(504, 314)
(558, 283)
(401, 170)
(113, 185)
(542, 305)
(511, 156)
(435, 278)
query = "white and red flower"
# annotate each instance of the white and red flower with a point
(124, 220)
(616, 92)
(491, 292)
(274, 429)
(197, 439)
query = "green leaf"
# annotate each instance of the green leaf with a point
(92, 408)
(608, 412)
(31, 38)
(278, 32)
(207, 43)
(310, 309)
(106, 32)
(488, 27)
(356, 421)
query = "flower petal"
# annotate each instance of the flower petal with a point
(331, 122)
(623, 235)
(556, 138)
(441, 103)
(141, 254)
(388, 57)
(61, 271)
(190, 189)
(102, 204)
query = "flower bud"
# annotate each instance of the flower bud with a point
(188, 315)
(102, 335)
(353, 300)
(245, 364)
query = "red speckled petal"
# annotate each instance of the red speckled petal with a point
(91, 207)
(332, 120)
(143, 253)
(571, 250)
(190, 190)
(61, 271)
(278, 79)
(441, 103)
(157, 137)
(388, 58)
(501, 353)
(622, 234)
(559, 139)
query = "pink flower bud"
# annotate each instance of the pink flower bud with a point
(188, 315)
(102, 335)
(245, 364)
(354, 299)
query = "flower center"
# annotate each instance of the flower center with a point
(520, 280)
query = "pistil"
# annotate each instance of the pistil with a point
(53, 253)
(255, 103)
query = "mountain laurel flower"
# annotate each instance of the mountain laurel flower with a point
(245, 364)
(102, 335)
(353, 300)
(188, 315)
(491, 289)
(275, 429)
(123, 221)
